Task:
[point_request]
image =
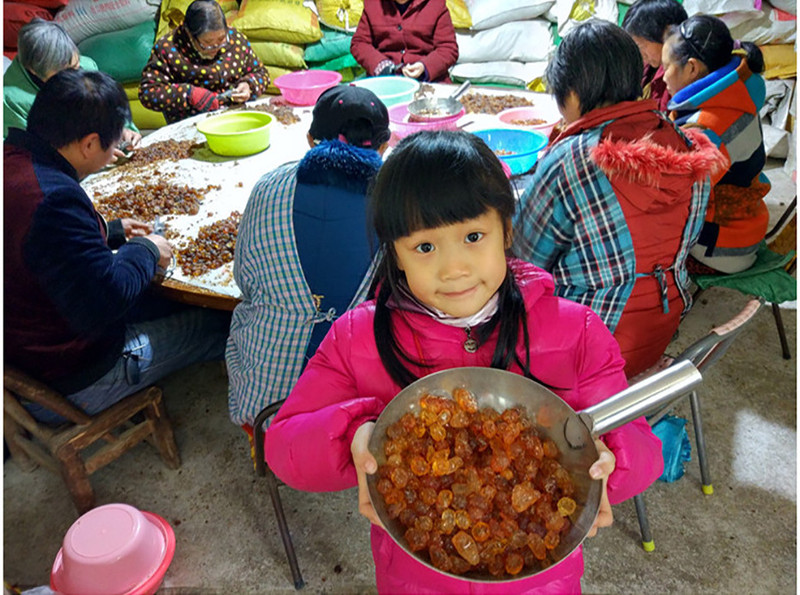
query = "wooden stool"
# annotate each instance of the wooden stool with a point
(60, 449)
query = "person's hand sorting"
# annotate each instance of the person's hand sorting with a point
(241, 93)
(164, 250)
(127, 143)
(365, 463)
(134, 228)
(414, 71)
(603, 467)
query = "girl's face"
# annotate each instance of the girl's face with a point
(456, 268)
(650, 50)
(677, 75)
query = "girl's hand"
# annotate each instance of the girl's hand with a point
(134, 228)
(365, 463)
(414, 71)
(601, 469)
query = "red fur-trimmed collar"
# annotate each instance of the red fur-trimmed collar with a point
(645, 162)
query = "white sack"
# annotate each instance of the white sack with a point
(521, 41)
(493, 13)
(82, 19)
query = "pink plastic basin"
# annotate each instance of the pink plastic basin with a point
(305, 86)
(114, 549)
(550, 116)
(401, 127)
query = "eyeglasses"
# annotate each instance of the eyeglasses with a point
(208, 48)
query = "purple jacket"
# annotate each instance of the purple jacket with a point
(345, 385)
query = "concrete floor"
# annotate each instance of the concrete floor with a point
(742, 539)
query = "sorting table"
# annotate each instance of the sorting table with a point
(235, 178)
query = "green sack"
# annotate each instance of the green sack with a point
(767, 278)
(333, 44)
(339, 63)
(122, 54)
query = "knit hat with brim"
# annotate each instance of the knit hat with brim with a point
(339, 107)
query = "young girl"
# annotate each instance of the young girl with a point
(717, 88)
(447, 296)
(646, 22)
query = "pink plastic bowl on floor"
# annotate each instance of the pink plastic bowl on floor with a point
(305, 86)
(401, 127)
(114, 549)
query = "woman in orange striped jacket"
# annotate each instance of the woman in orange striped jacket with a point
(716, 86)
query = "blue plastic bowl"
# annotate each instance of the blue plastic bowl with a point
(519, 149)
(391, 90)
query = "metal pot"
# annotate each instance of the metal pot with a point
(573, 432)
(432, 108)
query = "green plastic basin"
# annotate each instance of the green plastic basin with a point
(237, 133)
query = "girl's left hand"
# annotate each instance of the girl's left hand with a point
(601, 469)
(414, 71)
(365, 463)
(134, 228)
(241, 93)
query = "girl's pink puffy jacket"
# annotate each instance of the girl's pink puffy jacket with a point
(345, 385)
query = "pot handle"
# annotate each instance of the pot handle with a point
(635, 401)
(460, 91)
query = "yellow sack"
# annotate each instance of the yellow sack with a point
(342, 15)
(131, 90)
(780, 61)
(145, 119)
(537, 85)
(277, 20)
(279, 53)
(459, 13)
(173, 11)
(275, 72)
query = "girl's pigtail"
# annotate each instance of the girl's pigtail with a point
(388, 349)
(513, 322)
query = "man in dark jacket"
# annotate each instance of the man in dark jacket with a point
(76, 312)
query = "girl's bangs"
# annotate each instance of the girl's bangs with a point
(444, 201)
(436, 180)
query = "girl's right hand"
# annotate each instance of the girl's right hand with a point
(365, 463)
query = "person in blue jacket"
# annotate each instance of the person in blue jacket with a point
(78, 314)
(303, 253)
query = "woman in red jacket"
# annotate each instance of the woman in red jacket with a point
(414, 38)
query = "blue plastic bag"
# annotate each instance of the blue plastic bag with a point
(675, 446)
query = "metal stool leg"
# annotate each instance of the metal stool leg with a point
(272, 484)
(776, 313)
(644, 525)
(697, 421)
(263, 470)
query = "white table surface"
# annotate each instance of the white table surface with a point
(236, 176)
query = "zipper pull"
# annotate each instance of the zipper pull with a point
(470, 345)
